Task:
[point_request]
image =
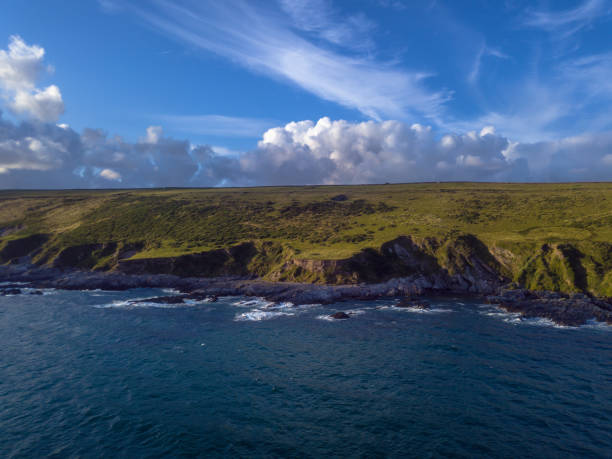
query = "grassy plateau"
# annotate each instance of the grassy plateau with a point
(542, 236)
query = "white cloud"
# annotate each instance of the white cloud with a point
(20, 67)
(319, 18)
(487, 130)
(567, 22)
(110, 174)
(483, 51)
(264, 42)
(153, 134)
(39, 155)
(44, 105)
(372, 152)
(43, 148)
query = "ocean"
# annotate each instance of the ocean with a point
(87, 374)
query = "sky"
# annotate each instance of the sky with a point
(109, 93)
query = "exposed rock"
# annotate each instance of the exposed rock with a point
(17, 249)
(561, 308)
(416, 304)
(339, 315)
(83, 256)
(574, 310)
(212, 263)
(176, 299)
(340, 198)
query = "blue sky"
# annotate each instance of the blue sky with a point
(377, 90)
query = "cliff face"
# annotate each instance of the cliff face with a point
(18, 249)
(460, 262)
(463, 263)
(221, 262)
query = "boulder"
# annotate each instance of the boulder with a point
(339, 315)
(408, 303)
(162, 300)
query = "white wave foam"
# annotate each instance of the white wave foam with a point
(45, 291)
(414, 310)
(134, 303)
(253, 303)
(308, 306)
(498, 313)
(279, 306)
(543, 322)
(193, 302)
(350, 312)
(516, 318)
(595, 324)
(257, 315)
(328, 318)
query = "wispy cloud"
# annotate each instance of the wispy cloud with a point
(568, 22)
(217, 125)
(266, 42)
(483, 51)
(592, 74)
(319, 18)
(569, 97)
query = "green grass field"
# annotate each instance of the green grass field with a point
(513, 220)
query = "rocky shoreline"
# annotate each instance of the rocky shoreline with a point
(562, 309)
(571, 310)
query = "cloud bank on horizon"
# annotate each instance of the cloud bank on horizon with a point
(409, 131)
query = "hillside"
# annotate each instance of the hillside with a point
(543, 236)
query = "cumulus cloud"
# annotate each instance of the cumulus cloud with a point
(44, 105)
(44, 155)
(21, 65)
(374, 152)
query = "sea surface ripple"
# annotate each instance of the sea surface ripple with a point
(88, 374)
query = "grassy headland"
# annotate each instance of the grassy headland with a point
(543, 236)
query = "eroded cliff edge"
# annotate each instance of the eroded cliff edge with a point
(458, 262)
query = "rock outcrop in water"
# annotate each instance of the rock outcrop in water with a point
(562, 309)
(410, 303)
(339, 315)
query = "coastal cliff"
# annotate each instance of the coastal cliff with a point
(474, 238)
(461, 263)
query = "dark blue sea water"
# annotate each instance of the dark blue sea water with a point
(84, 374)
